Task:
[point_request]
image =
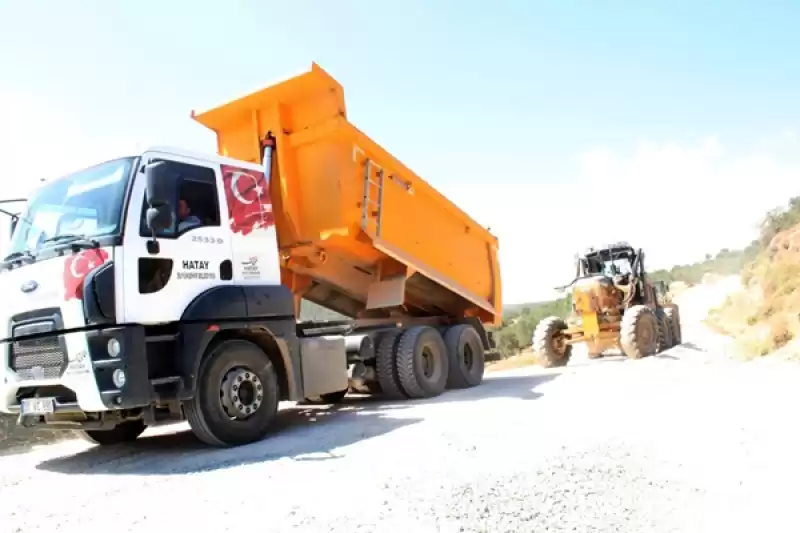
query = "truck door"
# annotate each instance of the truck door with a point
(193, 255)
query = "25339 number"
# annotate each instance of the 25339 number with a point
(201, 239)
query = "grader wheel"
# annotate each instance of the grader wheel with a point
(639, 332)
(549, 346)
(673, 315)
(664, 331)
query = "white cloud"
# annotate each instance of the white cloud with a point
(676, 201)
(692, 200)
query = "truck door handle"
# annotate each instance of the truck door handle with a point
(226, 270)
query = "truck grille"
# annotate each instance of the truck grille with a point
(38, 357)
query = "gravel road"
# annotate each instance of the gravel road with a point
(686, 441)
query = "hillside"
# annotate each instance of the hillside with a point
(726, 262)
(763, 315)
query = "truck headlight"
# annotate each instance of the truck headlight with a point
(114, 348)
(119, 378)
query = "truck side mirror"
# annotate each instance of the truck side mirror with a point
(158, 188)
(158, 184)
(159, 218)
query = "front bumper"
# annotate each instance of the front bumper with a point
(84, 382)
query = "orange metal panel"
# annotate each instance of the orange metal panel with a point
(591, 325)
(324, 231)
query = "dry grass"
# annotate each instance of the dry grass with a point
(520, 360)
(763, 316)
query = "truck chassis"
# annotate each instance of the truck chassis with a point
(242, 371)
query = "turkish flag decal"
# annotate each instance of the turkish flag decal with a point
(77, 267)
(249, 202)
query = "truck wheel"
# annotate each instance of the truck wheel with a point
(236, 399)
(675, 322)
(465, 351)
(549, 346)
(386, 367)
(127, 431)
(639, 332)
(594, 355)
(664, 331)
(422, 362)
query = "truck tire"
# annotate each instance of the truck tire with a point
(675, 322)
(386, 366)
(547, 347)
(422, 362)
(594, 355)
(639, 332)
(664, 331)
(465, 351)
(236, 400)
(127, 431)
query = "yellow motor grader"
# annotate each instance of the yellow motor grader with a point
(614, 306)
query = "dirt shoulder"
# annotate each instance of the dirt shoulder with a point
(762, 314)
(15, 439)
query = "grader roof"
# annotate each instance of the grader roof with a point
(621, 250)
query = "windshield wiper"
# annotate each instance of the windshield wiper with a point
(78, 241)
(24, 254)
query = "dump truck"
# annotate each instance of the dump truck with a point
(614, 306)
(167, 285)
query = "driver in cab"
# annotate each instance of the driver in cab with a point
(618, 277)
(186, 220)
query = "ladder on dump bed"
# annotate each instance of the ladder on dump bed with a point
(372, 197)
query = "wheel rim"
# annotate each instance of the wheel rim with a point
(559, 344)
(428, 363)
(468, 357)
(241, 393)
(646, 333)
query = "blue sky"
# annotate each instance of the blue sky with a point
(536, 117)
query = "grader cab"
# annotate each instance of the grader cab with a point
(614, 306)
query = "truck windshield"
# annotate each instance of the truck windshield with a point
(86, 203)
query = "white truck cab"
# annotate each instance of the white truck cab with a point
(118, 279)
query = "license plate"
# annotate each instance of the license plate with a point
(38, 406)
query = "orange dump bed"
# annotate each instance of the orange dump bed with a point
(359, 232)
